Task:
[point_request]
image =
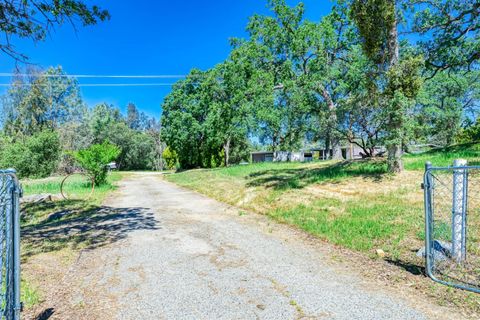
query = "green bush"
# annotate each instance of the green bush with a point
(95, 158)
(170, 157)
(470, 134)
(139, 153)
(36, 156)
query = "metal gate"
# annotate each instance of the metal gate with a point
(452, 219)
(10, 193)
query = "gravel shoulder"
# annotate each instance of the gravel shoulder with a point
(199, 259)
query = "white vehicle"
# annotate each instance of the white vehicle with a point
(112, 166)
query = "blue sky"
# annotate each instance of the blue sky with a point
(148, 38)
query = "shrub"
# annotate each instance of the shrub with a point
(170, 157)
(140, 152)
(95, 158)
(470, 134)
(36, 156)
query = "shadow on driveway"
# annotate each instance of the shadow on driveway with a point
(84, 228)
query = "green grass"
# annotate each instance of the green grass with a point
(284, 176)
(62, 224)
(29, 294)
(361, 224)
(76, 184)
(444, 157)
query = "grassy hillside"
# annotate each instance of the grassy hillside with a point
(353, 204)
(444, 157)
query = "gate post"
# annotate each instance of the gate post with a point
(16, 251)
(427, 187)
(459, 211)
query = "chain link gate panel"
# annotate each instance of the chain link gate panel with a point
(452, 219)
(10, 193)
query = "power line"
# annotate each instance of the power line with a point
(125, 84)
(161, 76)
(102, 84)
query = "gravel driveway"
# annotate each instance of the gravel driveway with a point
(203, 260)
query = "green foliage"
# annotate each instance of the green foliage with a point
(139, 145)
(171, 159)
(470, 134)
(448, 32)
(50, 101)
(40, 101)
(204, 118)
(375, 20)
(95, 158)
(395, 77)
(442, 107)
(36, 156)
(405, 77)
(141, 152)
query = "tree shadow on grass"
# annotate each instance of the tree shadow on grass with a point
(284, 179)
(82, 228)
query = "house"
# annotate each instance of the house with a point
(281, 156)
(349, 152)
(262, 156)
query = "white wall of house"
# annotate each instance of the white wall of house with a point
(285, 156)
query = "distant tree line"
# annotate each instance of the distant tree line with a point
(370, 73)
(44, 120)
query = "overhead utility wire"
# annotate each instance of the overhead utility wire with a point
(161, 76)
(104, 84)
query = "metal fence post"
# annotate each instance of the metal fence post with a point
(16, 251)
(427, 185)
(459, 211)
(10, 193)
(13, 303)
(9, 292)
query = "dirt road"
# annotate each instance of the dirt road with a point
(195, 258)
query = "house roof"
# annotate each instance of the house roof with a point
(261, 152)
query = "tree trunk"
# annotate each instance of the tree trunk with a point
(226, 149)
(327, 145)
(331, 142)
(274, 142)
(395, 163)
(337, 150)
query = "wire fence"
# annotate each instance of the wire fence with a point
(10, 193)
(452, 215)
